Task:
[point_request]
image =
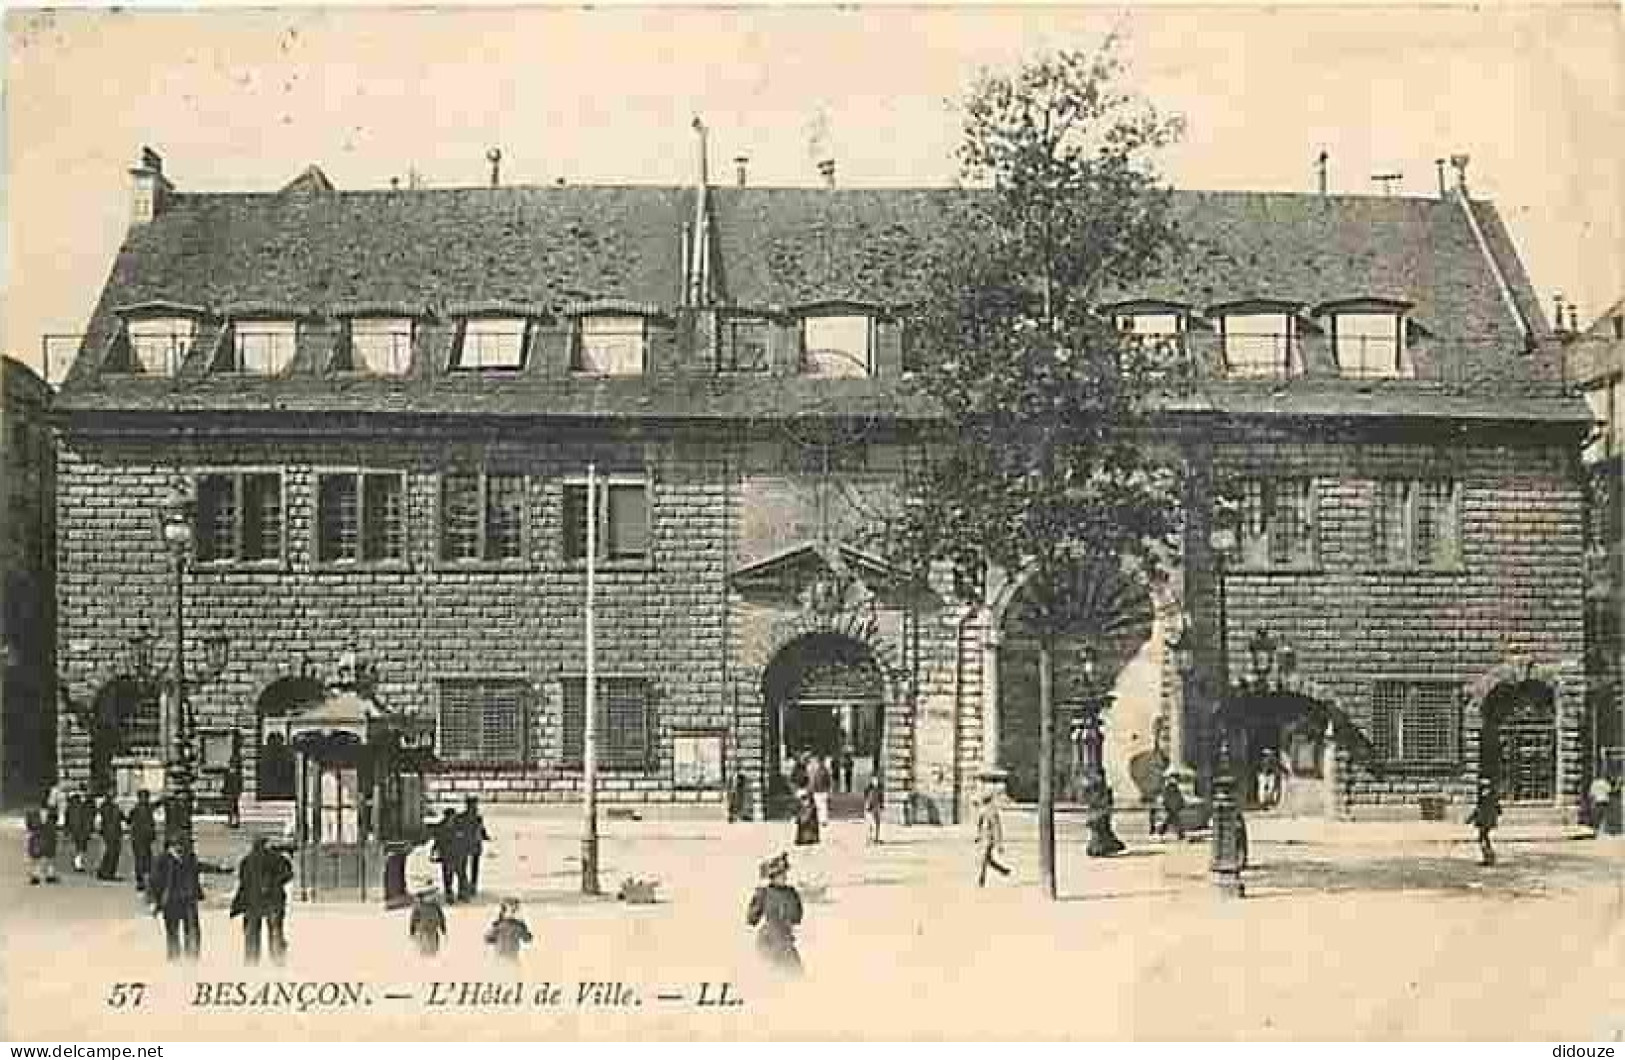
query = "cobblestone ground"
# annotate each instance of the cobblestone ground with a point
(1348, 932)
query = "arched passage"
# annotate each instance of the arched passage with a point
(126, 718)
(1518, 744)
(282, 698)
(823, 694)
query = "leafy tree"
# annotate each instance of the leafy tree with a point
(1044, 470)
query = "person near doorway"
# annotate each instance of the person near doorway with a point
(1172, 801)
(1601, 797)
(1485, 816)
(738, 796)
(262, 900)
(81, 822)
(806, 818)
(800, 771)
(849, 764)
(231, 791)
(473, 840)
(176, 888)
(874, 805)
(110, 824)
(775, 911)
(989, 838)
(143, 833)
(820, 780)
(446, 847)
(427, 925)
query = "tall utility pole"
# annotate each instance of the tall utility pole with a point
(589, 729)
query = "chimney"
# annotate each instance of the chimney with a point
(494, 156)
(702, 173)
(699, 244)
(149, 187)
(394, 183)
(1459, 164)
(1438, 164)
(740, 164)
(1574, 318)
(826, 169)
(1320, 171)
(1557, 311)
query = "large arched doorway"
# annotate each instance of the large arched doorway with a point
(824, 695)
(1104, 648)
(1518, 746)
(274, 770)
(126, 720)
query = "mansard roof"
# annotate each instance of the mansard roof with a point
(323, 252)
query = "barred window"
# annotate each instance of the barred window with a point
(623, 519)
(1416, 523)
(239, 517)
(360, 516)
(1416, 722)
(1369, 345)
(1278, 527)
(742, 344)
(484, 720)
(626, 723)
(482, 516)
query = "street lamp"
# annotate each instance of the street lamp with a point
(1228, 855)
(1090, 762)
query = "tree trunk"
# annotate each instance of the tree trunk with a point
(1046, 765)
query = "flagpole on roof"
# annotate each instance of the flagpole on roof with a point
(589, 735)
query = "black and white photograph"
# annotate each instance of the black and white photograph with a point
(861, 523)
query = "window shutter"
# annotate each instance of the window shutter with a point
(888, 348)
(216, 517)
(573, 722)
(338, 530)
(383, 517)
(628, 518)
(504, 516)
(262, 516)
(575, 521)
(1387, 709)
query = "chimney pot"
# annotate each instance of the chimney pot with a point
(1438, 164)
(494, 156)
(740, 164)
(149, 187)
(152, 160)
(1557, 310)
(1574, 318)
(1320, 171)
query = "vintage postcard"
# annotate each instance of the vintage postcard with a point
(813, 523)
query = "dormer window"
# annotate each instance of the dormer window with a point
(610, 345)
(381, 345)
(491, 344)
(1369, 345)
(1259, 345)
(263, 347)
(837, 346)
(158, 345)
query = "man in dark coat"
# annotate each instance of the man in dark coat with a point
(80, 822)
(110, 824)
(176, 888)
(262, 900)
(143, 833)
(231, 793)
(776, 906)
(472, 839)
(1485, 816)
(446, 847)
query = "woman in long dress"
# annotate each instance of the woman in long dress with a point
(775, 911)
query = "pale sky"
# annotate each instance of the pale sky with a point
(242, 100)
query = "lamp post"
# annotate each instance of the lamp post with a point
(1088, 741)
(177, 534)
(1228, 856)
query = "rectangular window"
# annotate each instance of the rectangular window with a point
(239, 517)
(157, 347)
(610, 346)
(626, 724)
(360, 517)
(623, 519)
(482, 516)
(492, 343)
(1259, 346)
(742, 344)
(1278, 528)
(1416, 722)
(1415, 523)
(1368, 345)
(484, 721)
(837, 346)
(264, 347)
(381, 345)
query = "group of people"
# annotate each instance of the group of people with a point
(81, 817)
(811, 779)
(427, 928)
(457, 843)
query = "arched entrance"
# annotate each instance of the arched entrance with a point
(1518, 746)
(126, 720)
(1109, 621)
(824, 694)
(274, 778)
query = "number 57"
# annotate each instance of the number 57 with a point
(126, 995)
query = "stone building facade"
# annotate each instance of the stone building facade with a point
(387, 405)
(27, 693)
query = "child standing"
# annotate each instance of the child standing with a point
(874, 803)
(428, 924)
(507, 933)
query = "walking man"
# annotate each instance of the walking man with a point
(1602, 794)
(80, 822)
(874, 804)
(176, 888)
(989, 838)
(473, 840)
(231, 791)
(143, 833)
(818, 776)
(1486, 814)
(446, 848)
(110, 823)
(262, 900)
(41, 845)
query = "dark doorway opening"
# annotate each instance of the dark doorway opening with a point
(1518, 748)
(824, 696)
(274, 778)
